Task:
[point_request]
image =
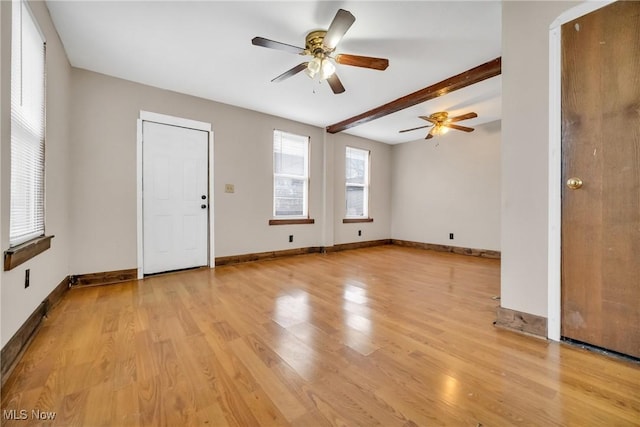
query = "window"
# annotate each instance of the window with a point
(357, 183)
(27, 126)
(290, 175)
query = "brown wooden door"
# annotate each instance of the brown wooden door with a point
(601, 146)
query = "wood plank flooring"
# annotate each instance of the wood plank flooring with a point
(383, 336)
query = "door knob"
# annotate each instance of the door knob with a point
(574, 183)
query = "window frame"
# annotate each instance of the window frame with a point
(292, 219)
(28, 241)
(366, 186)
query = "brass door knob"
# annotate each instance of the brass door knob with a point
(574, 183)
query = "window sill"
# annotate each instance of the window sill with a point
(23, 252)
(355, 220)
(291, 221)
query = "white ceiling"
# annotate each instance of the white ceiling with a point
(204, 48)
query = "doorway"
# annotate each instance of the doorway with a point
(175, 209)
(600, 176)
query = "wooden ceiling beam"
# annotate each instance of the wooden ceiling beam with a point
(474, 75)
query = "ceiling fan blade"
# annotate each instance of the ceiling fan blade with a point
(295, 70)
(336, 84)
(463, 117)
(419, 127)
(458, 127)
(429, 119)
(261, 41)
(339, 26)
(363, 61)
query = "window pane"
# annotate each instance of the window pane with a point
(27, 127)
(291, 174)
(289, 160)
(357, 182)
(355, 201)
(356, 166)
(290, 154)
(289, 196)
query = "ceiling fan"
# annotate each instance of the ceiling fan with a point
(441, 123)
(321, 45)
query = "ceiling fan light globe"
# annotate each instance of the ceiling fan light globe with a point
(314, 67)
(327, 69)
(439, 130)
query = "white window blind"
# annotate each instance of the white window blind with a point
(357, 183)
(27, 126)
(290, 175)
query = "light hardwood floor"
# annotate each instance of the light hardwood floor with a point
(385, 336)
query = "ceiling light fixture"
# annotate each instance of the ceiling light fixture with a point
(313, 67)
(321, 67)
(441, 123)
(327, 69)
(440, 130)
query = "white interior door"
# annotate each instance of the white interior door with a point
(175, 197)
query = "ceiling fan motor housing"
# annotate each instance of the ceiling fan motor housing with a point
(315, 44)
(440, 117)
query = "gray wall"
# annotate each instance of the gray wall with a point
(51, 267)
(103, 202)
(448, 185)
(525, 135)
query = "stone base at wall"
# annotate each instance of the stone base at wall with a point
(529, 324)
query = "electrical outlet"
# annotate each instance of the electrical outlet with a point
(26, 278)
(229, 188)
(450, 236)
(290, 238)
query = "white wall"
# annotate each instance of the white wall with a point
(449, 184)
(525, 124)
(52, 266)
(379, 190)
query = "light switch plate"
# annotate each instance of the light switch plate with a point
(229, 188)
